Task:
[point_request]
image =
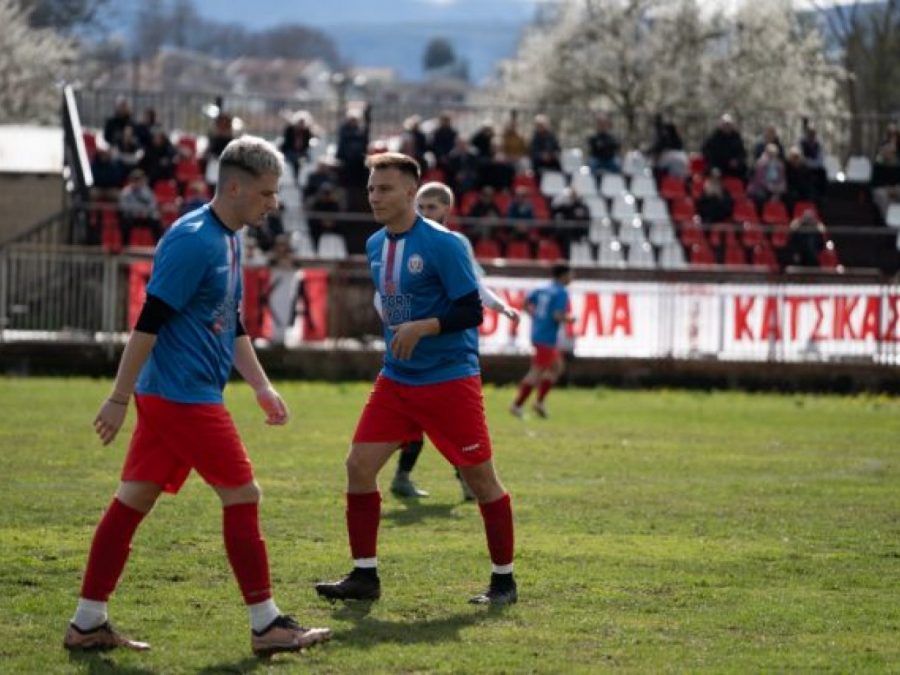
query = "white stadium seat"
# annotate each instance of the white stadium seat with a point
(552, 183)
(859, 170)
(641, 255)
(612, 185)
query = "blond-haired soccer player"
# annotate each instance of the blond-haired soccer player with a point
(434, 201)
(176, 363)
(432, 310)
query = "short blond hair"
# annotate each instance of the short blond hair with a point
(395, 160)
(251, 155)
(436, 190)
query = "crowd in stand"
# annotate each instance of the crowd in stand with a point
(517, 196)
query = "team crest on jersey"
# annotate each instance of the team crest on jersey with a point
(415, 264)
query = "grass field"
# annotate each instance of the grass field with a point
(656, 531)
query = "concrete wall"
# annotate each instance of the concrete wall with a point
(26, 199)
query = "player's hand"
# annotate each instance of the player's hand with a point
(511, 314)
(109, 420)
(406, 337)
(273, 405)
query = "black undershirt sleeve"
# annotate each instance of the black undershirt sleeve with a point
(465, 312)
(239, 329)
(153, 315)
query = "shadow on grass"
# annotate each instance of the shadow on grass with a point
(414, 511)
(97, 662)
(247, 665)
(369, 631)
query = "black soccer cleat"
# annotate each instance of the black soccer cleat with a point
(499, 593)
(360, 584)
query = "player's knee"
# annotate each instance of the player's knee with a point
(356, 464)
(139, 495)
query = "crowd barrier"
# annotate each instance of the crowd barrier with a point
(61, 295)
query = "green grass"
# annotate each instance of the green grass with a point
(656, 531)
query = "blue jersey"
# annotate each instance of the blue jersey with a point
(197, 272)
(547, 301)
(417, 275)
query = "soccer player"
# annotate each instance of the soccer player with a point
(177, 361)
(549, 308)
(430, 382)
(435, 201)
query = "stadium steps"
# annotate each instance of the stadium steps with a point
(851, 205)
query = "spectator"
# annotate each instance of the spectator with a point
(127, 148)
(490, 171)
(886, 171)
(544, 149)
(352, 146)
(520, 211)
(667, 150)
(159, 156)
(482, 142)
(800, 181)
(724, 150)
(715, 204)
(806, 240)
(138, 208)
(513, 146)
(768, 181)
(443, 140)
(485, 208)
(461, 168)
(144, 129)
(603, 149)
(814, 156)
(269, 231)
(570, 211)
(221, 132)
(323, 173)
(413, 142)
(324, 202)
(109, 175)
(296, 139)
(196, 195)
(121, 118)
(770, 135)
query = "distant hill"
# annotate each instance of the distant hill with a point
(395, 33)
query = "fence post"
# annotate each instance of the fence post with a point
(4, 300)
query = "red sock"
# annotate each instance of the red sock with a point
(246, 550)
(109, 550)
(363, 515)
(543, 388)
(498, 526)
(524, 391)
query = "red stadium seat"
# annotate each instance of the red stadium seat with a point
(187, 171)
(539, 206)
(802, 207)
(828, 257)
(734, 186)
(90, 144)
(165, 191)
(774, 213)
(487, 248)
(501, 201)
(764, 256)
(141, 236)
(548, 249)
(745, 211)
(698, 164)
(780, 235)
(110, 234)
(518, 250)
(525, 180)
(468, 200)
(752, 234)
(434, 174)
(682, 209)
(188, 144)
(722, 233)
(734, 254)
(691, 233)
(671, 187)
(701, 254)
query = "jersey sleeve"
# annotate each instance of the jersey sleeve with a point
(454, 267)
(560, 302)
(178, 268)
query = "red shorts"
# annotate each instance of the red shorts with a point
(544, 356)
(450, 413)
(172, 438)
